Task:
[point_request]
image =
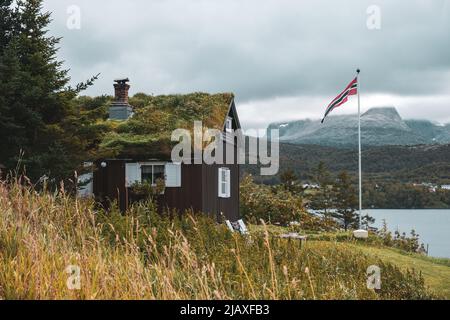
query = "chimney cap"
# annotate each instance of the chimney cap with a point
(121, 80)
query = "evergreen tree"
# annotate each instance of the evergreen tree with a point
(6, 24)
(6, 27)
(367, 221)
(290, 182)
(323, 198)
(38, 114)
(346, 202)
(9, 69)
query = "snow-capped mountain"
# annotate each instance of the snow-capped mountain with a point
(380, 126)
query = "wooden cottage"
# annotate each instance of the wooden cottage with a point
(139, 146)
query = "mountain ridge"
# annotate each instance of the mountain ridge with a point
(379, 126)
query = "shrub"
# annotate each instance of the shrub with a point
(401, 240)
(277, 205)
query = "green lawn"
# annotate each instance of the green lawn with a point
(436, 272)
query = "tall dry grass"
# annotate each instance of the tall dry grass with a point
(142, 255)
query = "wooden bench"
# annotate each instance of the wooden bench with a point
(295, 237)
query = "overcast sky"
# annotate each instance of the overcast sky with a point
(284, 60)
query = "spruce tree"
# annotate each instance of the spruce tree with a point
(290, 182)
(37, 105)
(322, 199)
(346, 202)
(9, 69)
(6, 24)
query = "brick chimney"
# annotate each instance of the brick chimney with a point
(121, 90)
(120, 109)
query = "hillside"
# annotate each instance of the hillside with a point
(380, 126)
(143, 255)
(421, 163)
(436, 272)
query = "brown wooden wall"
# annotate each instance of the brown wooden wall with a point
(198, 191)
(109, 183)
(212, 204)
(189, 195)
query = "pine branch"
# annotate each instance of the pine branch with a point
(84, 85)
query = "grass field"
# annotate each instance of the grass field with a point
(436, 272)
(143, 255)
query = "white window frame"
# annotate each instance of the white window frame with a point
(224, 183)
(133, 173)
(153, 164)
(229, 124)
(228, 134)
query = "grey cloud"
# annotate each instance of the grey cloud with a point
(258, 49)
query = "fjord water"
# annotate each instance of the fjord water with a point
(433, 226)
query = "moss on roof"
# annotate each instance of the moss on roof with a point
(148, 133)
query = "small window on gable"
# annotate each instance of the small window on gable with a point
(224, 183)
(229, 124)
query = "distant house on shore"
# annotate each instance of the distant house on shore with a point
(138, 149)
(427, 185)
(311, 186)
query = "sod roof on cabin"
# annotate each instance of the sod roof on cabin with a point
(147, 135)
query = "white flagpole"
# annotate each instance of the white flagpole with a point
(360, 157)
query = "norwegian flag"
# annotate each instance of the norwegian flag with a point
(351, 90)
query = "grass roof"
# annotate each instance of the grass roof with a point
(148, 133)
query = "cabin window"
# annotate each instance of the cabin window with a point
(147, 173)
(158, 173)
(152, 172)
(229, 124)
(224, 183)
